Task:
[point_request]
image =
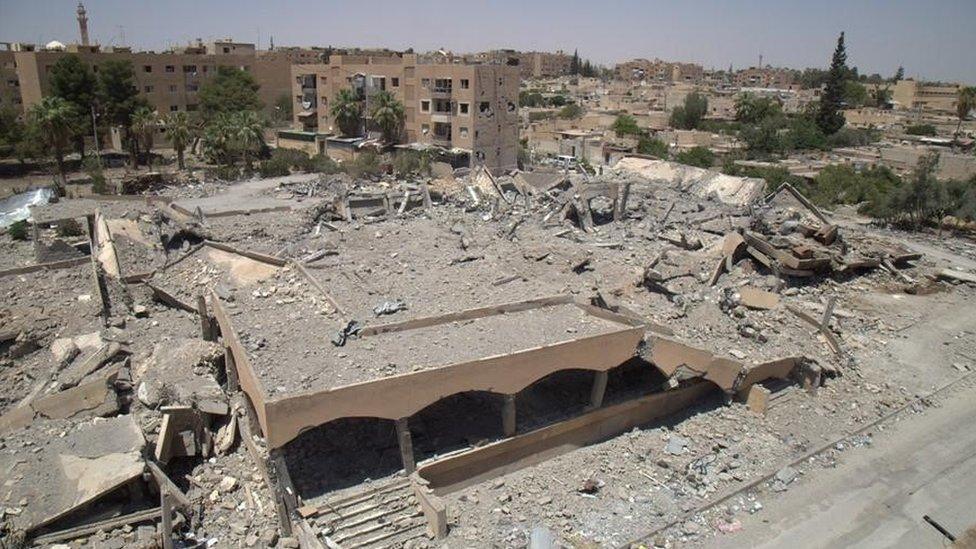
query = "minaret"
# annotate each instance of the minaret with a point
(83, 24)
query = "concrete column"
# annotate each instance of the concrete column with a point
(508, 416)
(406, 445)
(599, 388)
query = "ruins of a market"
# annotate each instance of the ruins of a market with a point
(339, 298)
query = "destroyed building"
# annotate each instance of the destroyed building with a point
(468, 359)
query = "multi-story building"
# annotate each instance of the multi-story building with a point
(455, 106)
(531, 64)
(170, 80)
(913, 94)
(764, 77)
(659, 71)
(9, 83)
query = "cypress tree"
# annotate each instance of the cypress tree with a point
(829, 117)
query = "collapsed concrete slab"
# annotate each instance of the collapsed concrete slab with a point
(72, 471)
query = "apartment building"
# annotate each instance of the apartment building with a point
(170, 80)
(9, 84)
(659, 71)
(764, 77)
(913, 94)
(531, 64)
(456, 106)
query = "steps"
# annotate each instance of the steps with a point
(385, 516)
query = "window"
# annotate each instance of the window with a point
(464, 108)
(147, 89)
(464, 84)
(174, 108)
(484, 107)
(463, 131)
(425, 106)
(172, 88)
(191, 108)
(147, 68)
(425, 129)
(192, 87)
(226, 49)
(425, 83)
(395, 82)
(189, 69)
(170, 68)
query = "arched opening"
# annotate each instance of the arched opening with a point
(632, 379)
(341, 453)
(461, 420)
(555, 397)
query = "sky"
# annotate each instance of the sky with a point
(932, 39)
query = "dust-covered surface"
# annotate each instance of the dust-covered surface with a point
(671, 257)
(289, 354)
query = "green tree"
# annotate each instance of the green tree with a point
(12, 130)
(72, 80)
(284, 109)
(921, 129)
(652, 147)
(697, 156)
(119, 98)
(899, 74)
(574, 63)
(217, 139)
(388, 114)
(55, 121)
(752, 109)
(247, 134)
(180, 132)
(530, 98)
(571, 112)
(690, 115)
(965, 103)
(347, 111)
(625, 125)
(855, 94)
(830, 118)
(145, 122)
(231, 90)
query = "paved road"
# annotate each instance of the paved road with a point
(876, 496)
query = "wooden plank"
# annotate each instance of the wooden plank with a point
(264, 258)
(469, 314)
(50, 266)
(107, 525)
(318, 286)
(166, 484)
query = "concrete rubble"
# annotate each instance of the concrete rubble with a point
(149, 386)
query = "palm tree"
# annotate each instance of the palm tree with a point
(217, 138)
(180, 134)
(145, 121)
(55, 120)
(347, 112)
(965, 103)
(388, 114)
(247, 130)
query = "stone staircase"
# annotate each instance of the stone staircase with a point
(384, 516)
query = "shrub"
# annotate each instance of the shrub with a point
(921, 129)
(625, 125)
(322, 163)
(93, 168)
(852, 137)
(18, 230)
(69, 227)
(698, 156)
(364, 165)
(536, 116)
(571, 111)
(274, 167)
(652, 147)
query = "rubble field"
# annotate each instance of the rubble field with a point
(128, 417)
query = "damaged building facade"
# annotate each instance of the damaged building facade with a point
(466, 109)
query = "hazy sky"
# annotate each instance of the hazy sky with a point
(934, 39)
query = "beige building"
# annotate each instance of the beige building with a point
(531, 64)
(764, 77)
(913, 94)
(171, 80)
(463, 108)
(659, 71)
